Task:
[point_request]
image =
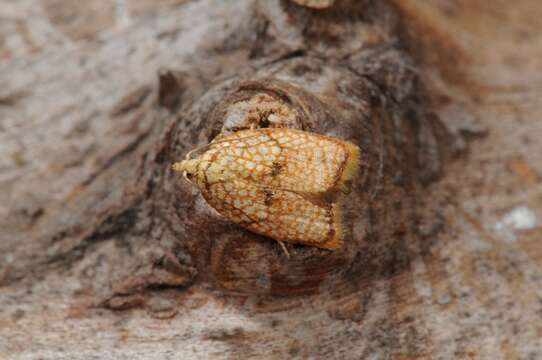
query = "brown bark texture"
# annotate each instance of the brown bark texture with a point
(105, 252)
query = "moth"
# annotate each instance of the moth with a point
(286, 184)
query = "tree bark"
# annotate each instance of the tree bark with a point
(107, 253)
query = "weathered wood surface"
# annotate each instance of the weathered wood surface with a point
(78, 84)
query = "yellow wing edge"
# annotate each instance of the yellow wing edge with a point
(350, 172)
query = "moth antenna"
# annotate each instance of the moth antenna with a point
(284, 249)
(189, 154)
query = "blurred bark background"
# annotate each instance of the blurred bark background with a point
(77, 94)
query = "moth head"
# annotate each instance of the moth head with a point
(188, 167)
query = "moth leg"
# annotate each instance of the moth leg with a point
(284, 248)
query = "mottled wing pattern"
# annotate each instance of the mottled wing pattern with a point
(279, 214)
(284, 158)
(277, 182)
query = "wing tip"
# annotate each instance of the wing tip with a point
(349, 173)
(337, 241)
(352, 163)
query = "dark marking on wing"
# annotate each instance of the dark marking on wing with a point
(268, 197)
(275, 168)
